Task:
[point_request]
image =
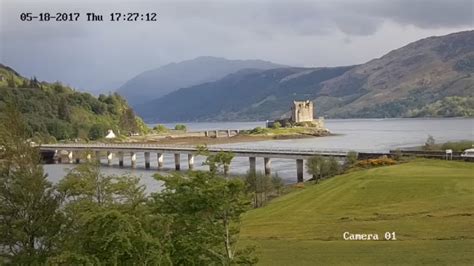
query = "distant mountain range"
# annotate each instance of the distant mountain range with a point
(429, 77)
(157, 82)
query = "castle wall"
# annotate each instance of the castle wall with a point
(302, 111)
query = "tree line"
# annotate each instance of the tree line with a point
(89, 218)
(53, 111)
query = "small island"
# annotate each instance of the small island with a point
(299, 124)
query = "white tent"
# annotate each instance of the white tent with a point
(110, 134)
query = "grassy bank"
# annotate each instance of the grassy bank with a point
(429, 204)
(287, 132)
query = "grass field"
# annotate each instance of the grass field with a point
(429, 204)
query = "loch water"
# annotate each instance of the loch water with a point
(369, 135)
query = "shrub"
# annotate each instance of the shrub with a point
(351, 158)
(276, 125)
(458, 146)
(382, 161)
(259, 130)
(160, 128)
(397, 155)
(180, 127)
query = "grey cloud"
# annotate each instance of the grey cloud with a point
(420, 13)
(316, 33)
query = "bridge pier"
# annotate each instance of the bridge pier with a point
(70, 156)
(160, 160)
(190, 161)
(110, 156)
(147, 160)
(120, 156)
(253, 165)
(299, 170)
(177, 161)
(133, 157)
(78, 159)
(267, 163)
(97, 156)
(228, 133)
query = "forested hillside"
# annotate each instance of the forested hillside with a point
(54, 111)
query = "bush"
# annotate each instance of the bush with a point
(458, 146)
(382, 161)
(180, 127)
(351, 158)
(259, 130)
(397, 155)
(276, 125)
(160, 128)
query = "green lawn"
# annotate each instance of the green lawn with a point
(429, 204)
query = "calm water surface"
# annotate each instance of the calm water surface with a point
(377, 135)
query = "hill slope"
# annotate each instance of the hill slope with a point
(421, 79)
(163, 80)
(427, 203)
(245, 95)
(57, 112)
(405, 80)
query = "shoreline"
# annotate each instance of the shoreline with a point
(191, 140)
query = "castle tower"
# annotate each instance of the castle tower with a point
(302, 111)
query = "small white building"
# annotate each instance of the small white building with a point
(110, 134)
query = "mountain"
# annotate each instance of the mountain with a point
(163, 80)
(53, 111)
(245, 95)
(429, 77)
(405, 80)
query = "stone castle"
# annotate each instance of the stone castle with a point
(302, 111)
(301, 115)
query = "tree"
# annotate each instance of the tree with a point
(333, 167)
(206, 209)
(128, 122)
(64, 110)
(110, 237)
(217, 160)
(11, 81)
(430, 143)
(351, 158)
(321, 167)
(315, 166)
(262, 187)
(278, 184)
(60, 129)
(29, 206)
(107, 220)
(97, 131)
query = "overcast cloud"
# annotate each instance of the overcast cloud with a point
(102, 55)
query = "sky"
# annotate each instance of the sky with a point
(99, 56)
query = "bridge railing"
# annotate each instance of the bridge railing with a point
(193, 148)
